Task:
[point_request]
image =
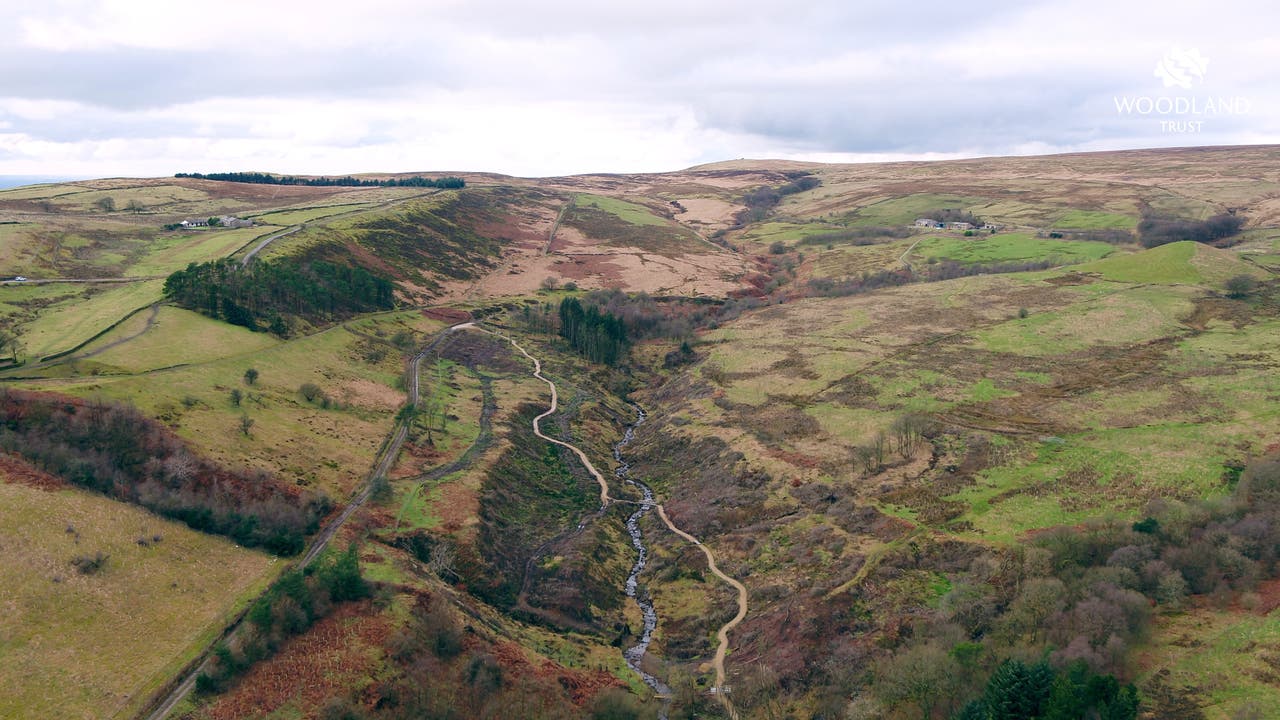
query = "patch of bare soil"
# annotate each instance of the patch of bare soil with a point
(414, 460)
(369, 394)
(447, 315)
(1072, 278)
(707, 213)
(1210, 308)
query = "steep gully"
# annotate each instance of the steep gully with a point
(633, 655)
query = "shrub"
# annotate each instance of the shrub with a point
(90, 564)
(310, 391)
(1241, 286)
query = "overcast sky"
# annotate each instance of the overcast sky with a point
(142, 87)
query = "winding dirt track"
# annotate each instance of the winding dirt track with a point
(723, 634)
(605, 499)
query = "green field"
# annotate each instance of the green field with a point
(1226, 656)
(97, 645)
(73, 322)
(628, 212)
(1183, 262)
(172, 252)
(627, 225)
(1010, 247)
(39, 192)
(905, 210)
(150, 196)
(177, 337)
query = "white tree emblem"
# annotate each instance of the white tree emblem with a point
(1179, 67)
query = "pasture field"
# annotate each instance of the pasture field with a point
(96, 645)
(1181, 262)
(70, 323)
(905, 210)
(150, 196)
(172, 252)
(1225, 656)
(40, 192)
(1010, 247)
(175, 337)
(19, 302)
(1113, 393)
(789, 234)
(627, 211)
(618, 223)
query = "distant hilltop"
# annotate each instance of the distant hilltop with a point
(258, 178)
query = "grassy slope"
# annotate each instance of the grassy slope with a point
(955, 348)
(628, 225)
(66, 325)
(1140, 383)
(88, 646)
(177, 337)
(327, 448)
(1010, 247)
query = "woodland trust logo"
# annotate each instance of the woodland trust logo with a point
(1182, 69)
(1179, 67)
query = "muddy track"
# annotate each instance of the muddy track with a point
(722, 635)
(386, 456)
(151, 322)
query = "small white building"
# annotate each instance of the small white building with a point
(927, 223)
(194, 223)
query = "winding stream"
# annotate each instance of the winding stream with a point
(636, 653)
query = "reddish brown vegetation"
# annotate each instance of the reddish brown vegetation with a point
(15, 469)
(325, 662)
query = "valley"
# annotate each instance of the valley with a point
(743, 440)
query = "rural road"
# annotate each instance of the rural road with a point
(267, 241)
(45, 281)
(389, 452)
(743, 602)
